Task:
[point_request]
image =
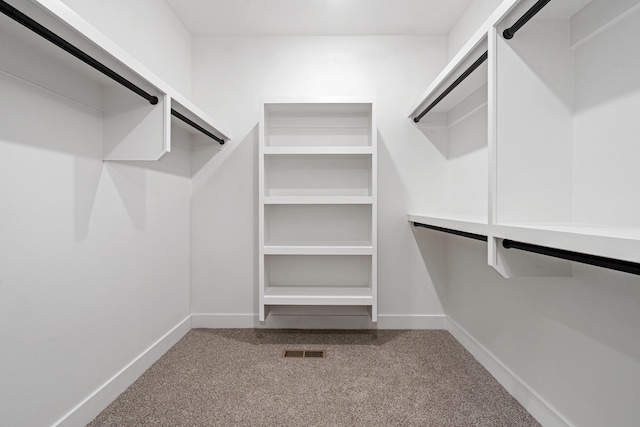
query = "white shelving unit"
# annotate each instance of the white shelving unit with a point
(457, 125)
(318, 203)
(133, 128)
(567, 178)
(561, 134)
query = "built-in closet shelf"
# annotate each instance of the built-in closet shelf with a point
(318, 200)
(621, 243)
(286, 295)
(317, 203)
(470, 60)
(474, 225)
(135, 103)
(200, 118)
(337, 150)
(318, 248)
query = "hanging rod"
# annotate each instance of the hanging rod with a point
(598, 261)
(453, 85)
(195, 125)
(511, 31)
(452, 231)
(34, 26)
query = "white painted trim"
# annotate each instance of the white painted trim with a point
(540, 409)
(97, 401)
(385, 321)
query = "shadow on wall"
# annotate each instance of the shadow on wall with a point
(225, 227)
(437, 135)
(433, 246)
(402, 278)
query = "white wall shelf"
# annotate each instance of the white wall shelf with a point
(318, 248)
(562, 180)
(286, 295)
(611, 242)
(317, 150)
(475, 225)
(319, 200)
(318, 212)
(565, 180)
(457, 127)
(133, 128)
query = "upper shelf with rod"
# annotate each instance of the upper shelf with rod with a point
(464, 76)
(566, 179)
(49, 46)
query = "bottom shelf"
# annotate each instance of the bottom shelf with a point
(289, 295)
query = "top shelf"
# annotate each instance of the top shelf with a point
(65, 23)
(472, 52)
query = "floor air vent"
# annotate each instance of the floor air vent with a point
(304, 354)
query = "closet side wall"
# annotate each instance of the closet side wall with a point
(94, 258)
(573, 341)
(149, 31)
(230, 76)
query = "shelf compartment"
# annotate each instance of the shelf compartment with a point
(317, 175)
(133, 129)
(323, 225)
(576, 162)
(315, 271)
(276, 295)
(317, 124)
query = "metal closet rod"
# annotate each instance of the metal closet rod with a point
(452, 231)
(453, 85)
(510, 32)
(598, 261)
(34, 26)
(195, 125)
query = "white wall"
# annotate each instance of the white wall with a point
(230, 76)
(473, 17)
(94, 257)
(574, 340)
(149, 31)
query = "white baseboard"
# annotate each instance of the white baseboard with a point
(385, 321)
(91, 407)
(525, 395)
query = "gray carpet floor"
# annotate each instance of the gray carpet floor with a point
(218, 377)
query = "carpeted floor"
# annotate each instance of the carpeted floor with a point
(218, 377)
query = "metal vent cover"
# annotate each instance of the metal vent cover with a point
(304, 354)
